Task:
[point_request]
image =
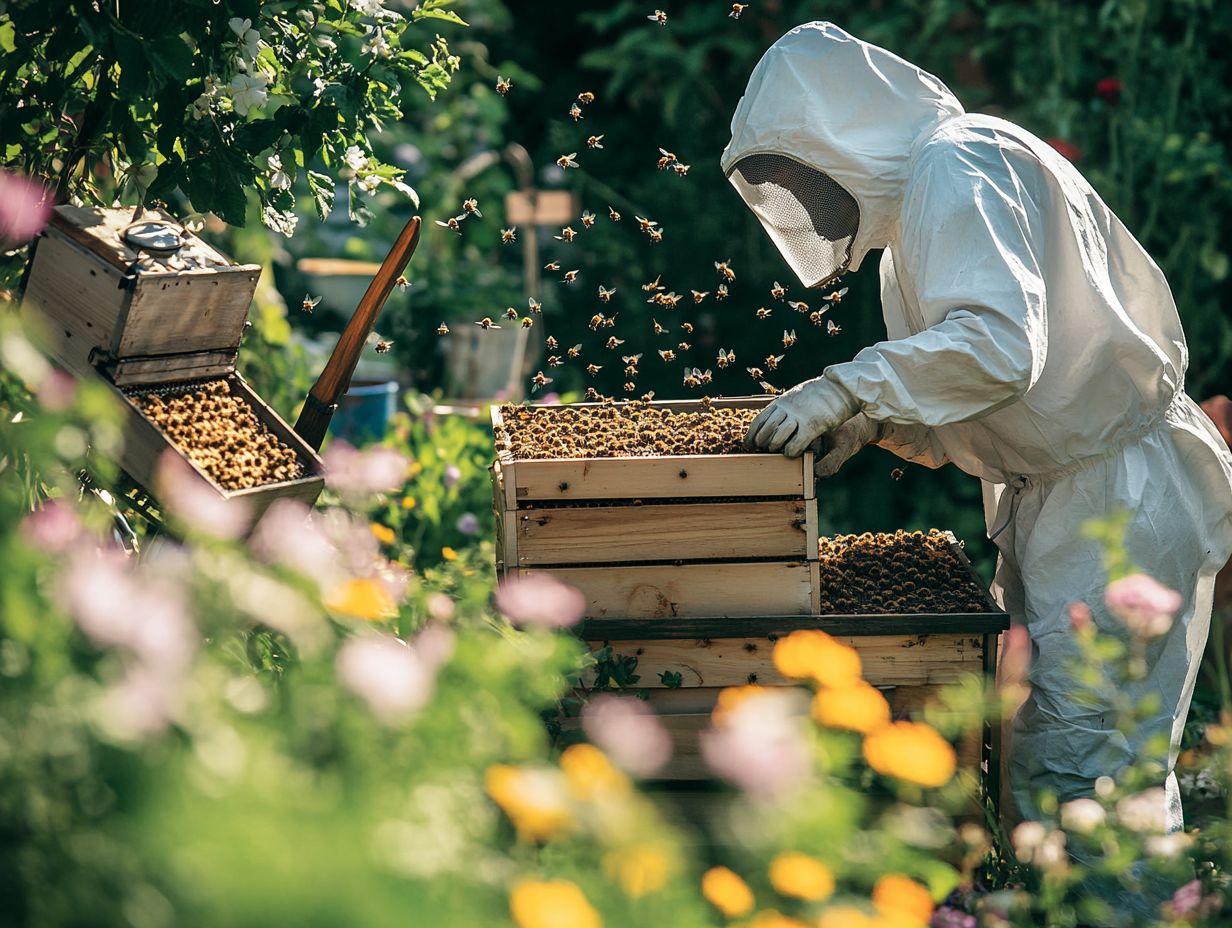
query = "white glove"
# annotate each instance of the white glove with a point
(800, 416)
(839, 446)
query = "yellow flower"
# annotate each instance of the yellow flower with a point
(810, 654)
(844, 916)
(730, 697)
(728, 893)
(551, 904)
(362, 598)
(533, 798)
(911, 751)
(859, 707)
(384, 534)
(449, 553)
(589, 774)
(772, 919)
(897, 895)
(414, 469)
(639, 870)
(796, 874)
(408, 502)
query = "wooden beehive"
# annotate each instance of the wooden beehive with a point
(664, 537)
(143, 322)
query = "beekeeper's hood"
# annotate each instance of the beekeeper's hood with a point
(821, 142)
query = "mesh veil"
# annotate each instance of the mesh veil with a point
(809, 216)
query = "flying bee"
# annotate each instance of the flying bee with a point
(596, 321)
(699, 295)
(630, 386)
(511, 313)
(770, 388)
(595, 141)
(567, 161)
(503, 85)
(665, 158)
(586, 98)
(566, 235)
(725, 271)
(631, 359)
(672, 299)
(593, 369)
(442, 329)
(648, 396)
(655, 235)
(554, 360)
(509, 236)
(896, 474)
(487, 323)
(551, 343)
(691, 379)
(789, 338)
(575, 350)
(798, 305)
(658, 16)
(832, 327)
(614, 342)
(726, 358)
(658, 329)
(815, 317)
(681, 169)
(778, 291)
(310, 303)
(592, 394)
(683, 346)
(704, 376)
(721, 292)
(588, 219)
(610, 321)
(630, 370)
(653, 285)
(837, 295)
(613, 215)
(453, 223)
(667, 355)
(470, 206)
(772, 361)
(535, 305)
(540, 380)
(764, 313)
(576, 112)
(755, 372)
(656, 298)
(605, 295)
(737, 9)
(687, 327)
(571, 276)
(552, 266)
(402, 283)
(527, 322)
(645, 225)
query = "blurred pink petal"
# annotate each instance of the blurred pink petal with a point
(1080, 617)
(1143, 605)
(540, 599)
(1015, 656)
(387, 673)
(139, 706)
(356, 474)
(629, 732)
(57, 391)
(453, 474)
(434, 643)
(289, 534)
(467, 524)
(25, 207)
(191, 500)
(53, 528)
(762, 745)
(440, 607)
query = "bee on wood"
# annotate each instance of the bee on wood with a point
(653, 285)
(552, 266)
(453, 223)
(699, 295)
(683, 346)
(755, 372)
(725, 271)
(613, 215)
(658, 329)
(576, 112)
(687, 327)
(575, 350)
(798, 305)
(833, 328)
(554, 360)
(310, 303)
(789, 338)
(667, 355)
(613, 342)
(770, 388)
(586, 98)
(726, 358)
(540, 380)
(595, 141)
(764, 313)
(571, 276)
(470, 206)
(527, 322)
(588, 219)
(567, 161)
(551, 343)
(737, 9)
(837, 295)
(772, 361)
(605, 295)
(509, 236)
(778, 291)
(487, 323)
(503, 85)
(706, 402)
(658, 16)
(648, 396)
(442, 329)
(534, 305)
(721, 292)
(596, 321)
(681, 170)
(593, 369)
(566, 235)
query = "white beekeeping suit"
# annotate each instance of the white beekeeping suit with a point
(1031, 342)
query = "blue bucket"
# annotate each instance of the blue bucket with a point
(365, 411)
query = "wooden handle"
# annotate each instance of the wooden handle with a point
(336, 377)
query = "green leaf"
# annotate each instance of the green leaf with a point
(322, 187)
(134, 67)
(215, 182)
(7, 31)
(172, 57)
(447, 15)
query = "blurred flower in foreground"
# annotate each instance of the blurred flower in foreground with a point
(1066, 148)
(540, 599)
(25, 207)
(629, 732)
(950, 917)
(1110, 89)
(809, 654)
(387, 673)
(453, 474)
(1082, 816)
(356, 474)
(53, 528)
(898, 895)
(801, 876)
(846, 916)
(467, 524)
(724, 890)
(590, 776)
(1145, 812)
(535, 799)
(362, 598)
(761, 745)
(191, 500)
(859, 707)
(1034, 843)
(1189, 903)
(911, 751)
(1145, 606)
(552, 904)
(638, 870)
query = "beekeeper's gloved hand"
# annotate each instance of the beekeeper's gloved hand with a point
(838, 447)
(800, 416)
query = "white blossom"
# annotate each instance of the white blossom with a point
(1168, 846)
(355, 159)
(279, 179)
(326, 43)
(387, 674)
(376, 44)
(369, 183)
(406, 190)
(369, 7)
(1146, 811)
(247, 92)
(281, 221)
(318, 86)
(1082, 816)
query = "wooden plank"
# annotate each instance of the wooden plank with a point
(888, 660)
(186, 312)
(660, 593)
(205, 365)
(756, 624)
(685, 531)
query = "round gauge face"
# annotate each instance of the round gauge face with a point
(155, 235)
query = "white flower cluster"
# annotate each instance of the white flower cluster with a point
(359, 166)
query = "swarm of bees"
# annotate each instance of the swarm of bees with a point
(626, 429)
(899, 573)
(221, 434)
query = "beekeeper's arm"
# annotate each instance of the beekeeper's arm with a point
(968, 253)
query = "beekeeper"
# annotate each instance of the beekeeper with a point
(1030, 341)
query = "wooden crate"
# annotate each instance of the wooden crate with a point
(664, 537)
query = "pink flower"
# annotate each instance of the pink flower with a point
(57, 391)
(629, 732)
(550, 399)
(1110, 89)
(1143, 605)
(949, 917)
(289, 534)
(440, 607)
(190, 499)
(24, 208)
(452, 475)
(1067, 149)
(540, 599)
(468, 524)
(138, 706)
(357, 474)
(1189, 904)
(761, 745)
(388, 674)
(1080, 617)
(53, 528)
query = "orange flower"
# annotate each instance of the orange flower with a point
(728, 893)
(590, 774)
(895, 894)
(911, 751)
(845, 916)
(449, 553)
(384, 534)
(639, 870)
(730, 697)
(362, 598)
(533, 798)
(859, 707)
(552, 904)
(796, 874)
(810, 654)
